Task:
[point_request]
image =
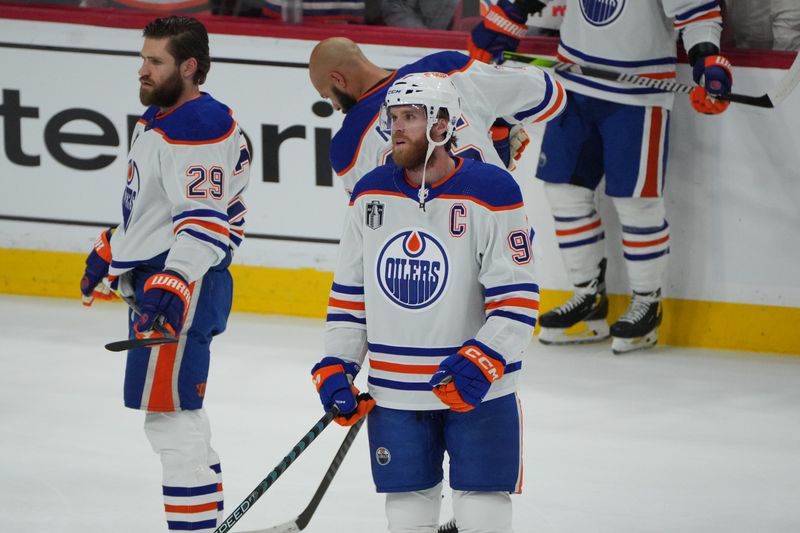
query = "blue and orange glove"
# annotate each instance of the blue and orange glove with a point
(509, 142)
(499, 31)
(464, 378)
(95, 283)
(333, 377)
(165, 300)
(712, 73)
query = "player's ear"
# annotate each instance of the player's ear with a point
(338, 79)
(189, 68)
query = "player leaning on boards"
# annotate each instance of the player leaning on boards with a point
(182, 220)
(619, 131)
(493, 97)
(434, 284)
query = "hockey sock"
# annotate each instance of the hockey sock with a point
(191, 487)
(645, 241)
(579, 230)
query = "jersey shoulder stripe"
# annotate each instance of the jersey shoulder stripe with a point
(485, 184)
(199, 121)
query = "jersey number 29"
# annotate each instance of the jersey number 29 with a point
(205, 182)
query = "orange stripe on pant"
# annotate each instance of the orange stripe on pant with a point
(161, 398)
(650, 188)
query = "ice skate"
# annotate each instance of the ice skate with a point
(582, 319)
(638, 327)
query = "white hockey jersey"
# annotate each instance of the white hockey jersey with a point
(635, 37)
(517, 95)
(187, 171)
(412, 287)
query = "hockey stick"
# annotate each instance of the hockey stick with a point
(276, 472)
(772, 98)
(301, 521)
(165, 337)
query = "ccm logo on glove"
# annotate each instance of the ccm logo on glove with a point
(490, 367)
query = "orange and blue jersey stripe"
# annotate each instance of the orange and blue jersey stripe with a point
(204, 224)
(518, 301)
(346, 304)
(709, 11)
(411, 367)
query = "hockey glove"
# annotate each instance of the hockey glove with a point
(166, 298)
(364, 405)
(500, 31)
(333, 378)
(712, 73)
(95, 282)
(509, 142)
(464, 378)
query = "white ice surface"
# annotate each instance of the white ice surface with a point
(670, 440)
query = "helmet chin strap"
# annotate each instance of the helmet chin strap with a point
(423, 191)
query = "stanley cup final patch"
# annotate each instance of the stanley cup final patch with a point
(374, 214)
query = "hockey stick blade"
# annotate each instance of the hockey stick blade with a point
(165, 336)
(301, 521)
(130, 344)
(769, 100)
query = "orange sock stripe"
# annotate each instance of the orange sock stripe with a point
(189, 509)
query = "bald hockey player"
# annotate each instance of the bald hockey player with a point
(435, 287)
(182, 220)
(618, 131)
(497, 102)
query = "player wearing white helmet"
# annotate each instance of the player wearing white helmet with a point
(435, 287)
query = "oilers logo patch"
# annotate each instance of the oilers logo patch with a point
(412, 269)
(374, 215)
(131, 192)
(601, 12)
(383, 456)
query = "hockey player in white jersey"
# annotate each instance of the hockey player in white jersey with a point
(620, 132)
(494, 98)
(182, 219)
(434, 285)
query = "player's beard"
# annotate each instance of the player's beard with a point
(410, 155)
(346, 102)
(163, 95)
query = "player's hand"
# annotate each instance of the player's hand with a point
(713, 75)
(333, 378)
(464, 378)
(95, 282)
(499, 31)
(364, 404)
(166, 298)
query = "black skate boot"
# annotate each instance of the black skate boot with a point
(587, 307)
(638, 327)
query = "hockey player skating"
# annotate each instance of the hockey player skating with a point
(434, 285)
(182, 219)
(499, 99)
(619, 131)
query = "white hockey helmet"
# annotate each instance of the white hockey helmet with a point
(432, 90)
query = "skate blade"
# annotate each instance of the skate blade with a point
(586, 332)
(620, 345)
